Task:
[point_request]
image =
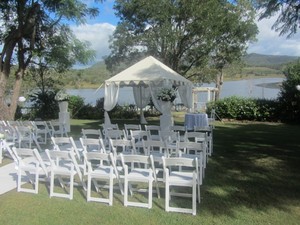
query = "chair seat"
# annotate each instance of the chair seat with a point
(180, 178)
(139, 175)
(102, 172)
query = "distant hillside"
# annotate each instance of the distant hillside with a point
(271, 61)
(256, 65)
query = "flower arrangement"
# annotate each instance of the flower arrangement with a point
(167, 95)
(62, 96)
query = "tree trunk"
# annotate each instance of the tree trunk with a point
(4, 108)
(219, 83)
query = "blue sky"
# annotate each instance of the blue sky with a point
(98, 30)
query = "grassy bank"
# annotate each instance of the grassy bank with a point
(252, 178)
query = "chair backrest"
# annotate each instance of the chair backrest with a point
(99, 159)
(122, 146)
(27, 156)
(128, 127)
(169, 136)
(195, 136)
(189, 148)
(92, 144)
(154, 147)
(139, 135)
(65, 144)
(56, 128)
(137, 161)
(91, 133)
(176, 163)
(115, 134)
(178, 128)
(64, 159)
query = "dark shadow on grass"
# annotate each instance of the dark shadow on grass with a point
(254, 166)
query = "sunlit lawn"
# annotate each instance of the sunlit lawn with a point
(253, 177)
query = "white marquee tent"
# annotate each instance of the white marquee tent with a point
(147, 77)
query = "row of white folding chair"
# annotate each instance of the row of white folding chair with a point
(64, 163)
(209, 134)
(177, 175)
(157, 150)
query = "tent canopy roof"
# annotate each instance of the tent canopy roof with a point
(146, 71)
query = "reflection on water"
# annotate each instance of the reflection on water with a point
(255, 88)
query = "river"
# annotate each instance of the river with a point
(257, 88)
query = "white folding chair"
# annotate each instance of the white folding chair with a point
(170, 138)
(101, 167)
(176, 174)
(182, 130)
(63, 165)
(193, 150)
(25, 136)
(153, 132)
(134, 173)
(30, 164)
(138, 136)
(42, 131)
(57, 129)
(209, 137)
(195, 136)
(157, 149)
(66, 144)
(124, 146)
(128, 127)
(91, 133)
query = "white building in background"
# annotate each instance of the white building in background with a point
(201, 96)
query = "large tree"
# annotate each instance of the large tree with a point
(36, 28)
(288, 21)
(187, 35)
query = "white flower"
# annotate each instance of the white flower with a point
(62, 96)
(167, 94)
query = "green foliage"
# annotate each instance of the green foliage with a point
(44, 105)
(36, 32)
(238, 108)
(289, 96)
(76, 103)
(270, 61)
(288, 19)
(123, 112)
(182, 34)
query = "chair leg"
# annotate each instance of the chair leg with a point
(150, 194)
(89, 186)
(51, 184)
(125, 191)
(71, 185)
(167, 197)
(111, 189)
(194, 199)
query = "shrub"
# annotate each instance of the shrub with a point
(289, 95)
(239, 108)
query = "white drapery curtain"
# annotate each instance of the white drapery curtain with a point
(111, 98)
(141, 96)
(186, 95)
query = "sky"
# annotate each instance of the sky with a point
(97, 31)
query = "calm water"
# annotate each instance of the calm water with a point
(245, 88)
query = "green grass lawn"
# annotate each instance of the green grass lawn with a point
(252, 178)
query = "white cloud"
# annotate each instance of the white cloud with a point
(270, 43)
(98, 35)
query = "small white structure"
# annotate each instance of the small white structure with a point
(147, 77)
(211, 94)
(64, 116)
